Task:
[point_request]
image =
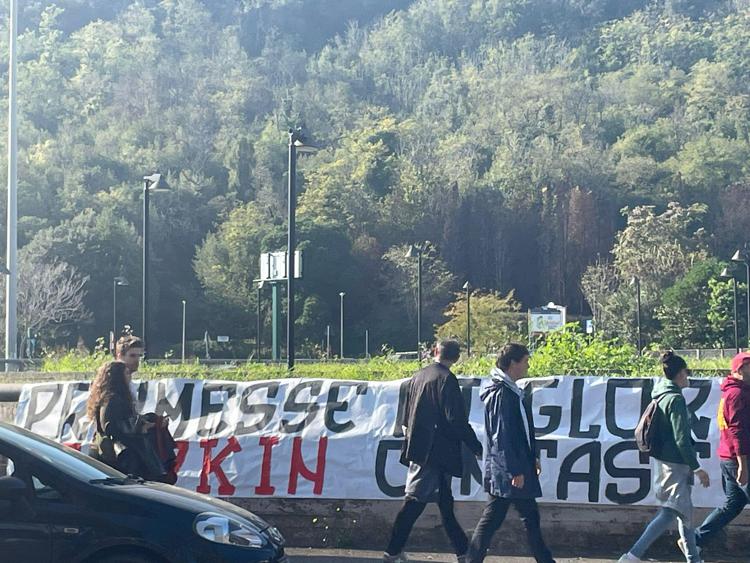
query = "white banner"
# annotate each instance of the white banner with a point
(318, 438)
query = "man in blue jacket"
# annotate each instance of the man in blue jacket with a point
(511, 472)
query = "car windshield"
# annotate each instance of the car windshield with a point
(62, 458)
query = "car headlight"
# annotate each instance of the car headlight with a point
(222, 529)
(276, 535)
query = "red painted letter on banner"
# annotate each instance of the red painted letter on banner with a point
(214, 466)
(299, 467)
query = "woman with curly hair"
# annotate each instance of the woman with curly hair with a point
(121, 440)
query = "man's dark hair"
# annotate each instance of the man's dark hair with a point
(511, 353)
(127, 342)
(672, 364)
(449, 350)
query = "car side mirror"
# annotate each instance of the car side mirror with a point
(12, 488)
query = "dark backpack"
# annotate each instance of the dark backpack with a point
(646, 431)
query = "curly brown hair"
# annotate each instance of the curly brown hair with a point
(110, 381)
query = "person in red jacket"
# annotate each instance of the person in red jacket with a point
(734, 448)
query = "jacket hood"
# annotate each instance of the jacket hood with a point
(664, 386)
(491, 388)
(498, 380)
(731, 382)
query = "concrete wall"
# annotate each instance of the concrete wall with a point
(569, 529)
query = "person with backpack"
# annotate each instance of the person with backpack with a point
(734, 449)
(666, 429)
(136, 444)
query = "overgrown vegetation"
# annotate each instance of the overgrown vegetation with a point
(505, 136)
(563, 353)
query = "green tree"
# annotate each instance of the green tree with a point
(495, 320)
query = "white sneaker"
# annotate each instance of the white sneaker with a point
(683, 547)
(400, 558)
(629, 558)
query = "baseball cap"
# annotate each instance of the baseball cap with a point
(739, 360)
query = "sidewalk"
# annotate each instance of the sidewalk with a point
(361, 556)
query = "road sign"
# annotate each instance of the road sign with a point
(273, 266)
(546, 319)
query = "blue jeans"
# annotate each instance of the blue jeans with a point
(660, 524)
(737, 498)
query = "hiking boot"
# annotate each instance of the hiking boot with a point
(629, 558)
(400, 558)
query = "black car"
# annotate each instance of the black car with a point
(58, 505)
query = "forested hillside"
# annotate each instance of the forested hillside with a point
(518, 140)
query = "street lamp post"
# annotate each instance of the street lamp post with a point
(11, 289)
(636, 281)
(415, 251)
(726, 275)
(118, 281)
(184, 310)
(296, 145)
(743, 258)
(341, 328)
(258, 322)
(467, 287)
(152, 183)
(328, 342)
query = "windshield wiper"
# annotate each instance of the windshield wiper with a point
(109, 481)
(117, 480)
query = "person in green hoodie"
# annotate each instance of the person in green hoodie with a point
(674, 463)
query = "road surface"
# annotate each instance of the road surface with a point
(359, 556)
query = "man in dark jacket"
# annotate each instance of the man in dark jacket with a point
(511, 466)
(436, 424)
(734, 448)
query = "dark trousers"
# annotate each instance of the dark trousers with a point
(736, 499)
(411, 511)
(492, 519)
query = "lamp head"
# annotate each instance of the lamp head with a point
(725, 275)
(739, 256)
(120, 280)
(297, 138)
(156, 183)
(467, 286)
(342, 294)
(413, 252)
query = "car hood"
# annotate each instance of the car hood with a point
(187, 501)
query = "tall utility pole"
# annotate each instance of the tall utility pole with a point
(184, 305)
(415, 251)
(11, 320)
(341, 328)
(258, 322)
(743, 258)
(144, 272)
(726, 275)
(150, 183)
(296, 145)
(636, 281)
(291, 246)
(467, 287)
